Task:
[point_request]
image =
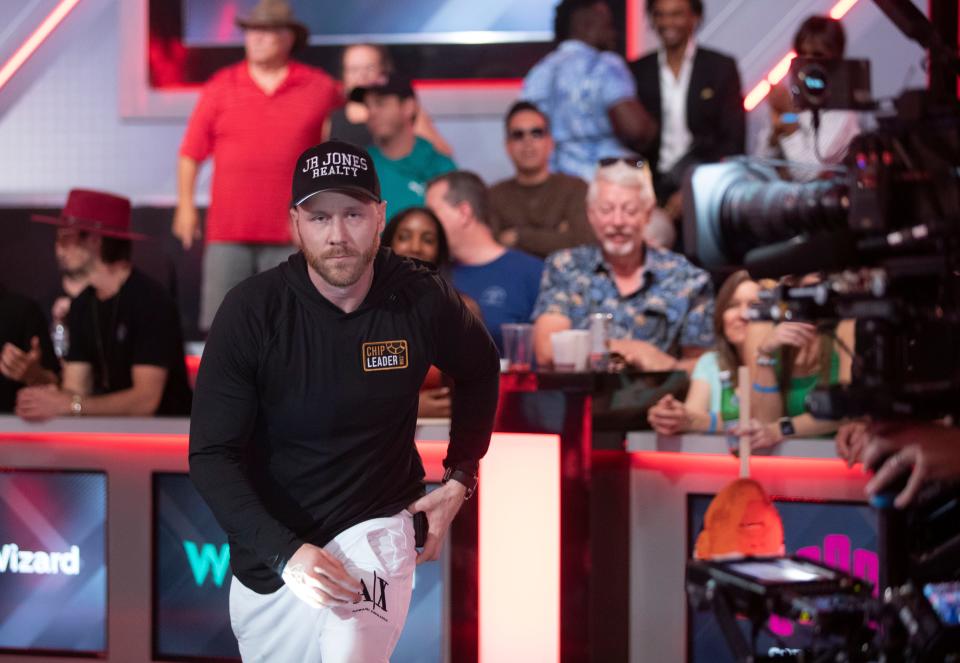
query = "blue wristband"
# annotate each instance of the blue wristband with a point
(713, 423)
(760, 389)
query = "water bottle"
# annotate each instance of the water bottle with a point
(60, 336)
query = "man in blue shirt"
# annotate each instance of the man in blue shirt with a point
(587, 92)
(504, 282)
(662, 306)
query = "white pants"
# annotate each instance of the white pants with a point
(279, 627)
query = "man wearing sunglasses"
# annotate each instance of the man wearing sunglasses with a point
(661, 306)
(537, 211)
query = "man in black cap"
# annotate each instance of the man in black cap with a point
(302, 436)
(404, 161)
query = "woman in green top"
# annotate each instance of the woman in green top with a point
(712, 399)
(787, 362)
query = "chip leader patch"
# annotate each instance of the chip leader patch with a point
(385, 356)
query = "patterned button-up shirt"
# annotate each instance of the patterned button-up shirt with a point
(672, 309)
(574, 86)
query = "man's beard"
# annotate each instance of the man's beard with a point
(619, 249)
(75, 273)
(341, 274)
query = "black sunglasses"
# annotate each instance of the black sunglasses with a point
(520, 134)
(633, 162)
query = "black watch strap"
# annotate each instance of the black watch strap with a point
(786, 427)
(466, 478)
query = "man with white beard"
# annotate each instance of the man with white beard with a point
(661, 306)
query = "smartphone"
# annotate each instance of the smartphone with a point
(420, 528)
(789, 118)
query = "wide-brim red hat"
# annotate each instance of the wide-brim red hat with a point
(94, 212)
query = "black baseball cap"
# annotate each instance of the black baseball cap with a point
(334, 166)
(397, 85)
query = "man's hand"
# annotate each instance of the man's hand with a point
(440, 505)
(796, 334)
(20, 366)
(434, 403)
(927, 451)
(643, 355)
(759, 435)
(42, 403)
(186, 225)
(669, 416)
(851, 440)
(319, 579)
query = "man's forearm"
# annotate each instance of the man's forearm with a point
(216, 471)
(767, 402)
(41, 376)
(187, 170)
(131, 402)
(474, 409)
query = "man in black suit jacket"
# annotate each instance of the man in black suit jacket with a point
(715, 120)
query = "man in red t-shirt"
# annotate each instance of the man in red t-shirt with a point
(254, 118)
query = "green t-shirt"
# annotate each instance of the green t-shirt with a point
(800, 387)
(403, 182)
(723, 398)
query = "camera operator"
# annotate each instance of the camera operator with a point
(791, 134)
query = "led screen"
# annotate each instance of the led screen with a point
(192, 585)
(211, 22)
(53, 561)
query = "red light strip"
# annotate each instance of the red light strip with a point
(33, 41)
(432, 452)
(679, 464)
(467, 83)
(762, 89)
(633, 34)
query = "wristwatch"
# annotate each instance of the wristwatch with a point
(76, 405)
(766, 360)
(786, 427)
(466, 478)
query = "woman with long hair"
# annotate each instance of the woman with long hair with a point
(416, 233)
(712, 400)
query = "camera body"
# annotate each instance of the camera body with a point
(885, 237)
(882, 236)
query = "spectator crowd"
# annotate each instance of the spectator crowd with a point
(587, 222)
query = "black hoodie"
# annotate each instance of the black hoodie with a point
(304, 416)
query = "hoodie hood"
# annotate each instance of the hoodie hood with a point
(392, 275)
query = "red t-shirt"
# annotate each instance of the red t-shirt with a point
(255, 139)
